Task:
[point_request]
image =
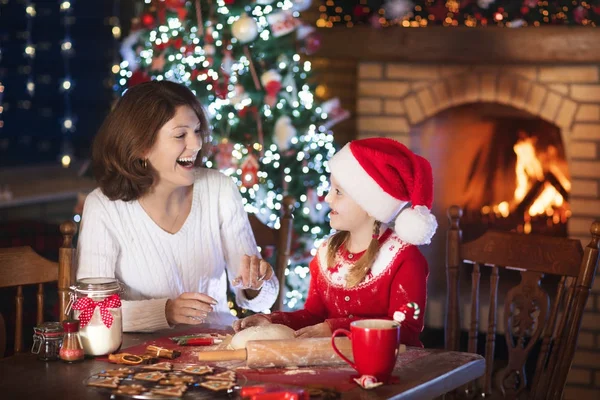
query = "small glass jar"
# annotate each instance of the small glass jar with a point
(94, 301)
(47, 339)
(71, 349)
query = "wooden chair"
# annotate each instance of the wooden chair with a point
(278, 239)
(530, 317)
(21, 266)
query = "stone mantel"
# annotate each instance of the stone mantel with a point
(545, 45)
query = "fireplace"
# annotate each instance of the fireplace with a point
(505, 167)
(510, 120)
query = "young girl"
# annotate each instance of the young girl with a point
(366, 269)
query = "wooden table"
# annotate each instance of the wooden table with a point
(422, 374)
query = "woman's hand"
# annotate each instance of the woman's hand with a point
(189, 308)
(253, 320)
(253, 273)
(318, 330)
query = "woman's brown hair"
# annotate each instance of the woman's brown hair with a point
(362, 266)
(130, 130)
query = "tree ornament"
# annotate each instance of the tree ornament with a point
(485, 4)
(309, 38)
(227, 62)
(148, 20)
(174, 4)
(224, 156)
(244, 29)
(128, 53)
(284, 132)
(335, 112)
(282, 23)
(158, 63)
(139, 76)
(249, 171)
(238, 95)
(301, 5)
(271, 81)
(398, 8)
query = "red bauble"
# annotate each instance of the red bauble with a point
(175, 4)
(359, 11)
(148, 20)
(249, 171)
(229, 2)
(272, 88)
(138, 77)
(312, 43)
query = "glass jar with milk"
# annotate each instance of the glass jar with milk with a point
(96, 304)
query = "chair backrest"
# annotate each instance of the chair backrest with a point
(280, 240)
(530, 317)
(20, 266)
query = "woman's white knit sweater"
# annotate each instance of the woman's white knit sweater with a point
(119, 240)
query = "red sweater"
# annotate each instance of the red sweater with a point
(398, 277)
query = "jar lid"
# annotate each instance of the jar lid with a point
(49, 329)
(71, 325)
(97, 285)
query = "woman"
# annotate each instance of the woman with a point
(171, 232)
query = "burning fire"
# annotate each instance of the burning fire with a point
(533, 170)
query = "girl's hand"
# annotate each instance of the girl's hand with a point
(253, 320)
(189, 308)
(253, 273)
(318, 330)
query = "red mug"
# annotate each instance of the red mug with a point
(375, 344)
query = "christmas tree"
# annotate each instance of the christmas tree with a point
(243, 59)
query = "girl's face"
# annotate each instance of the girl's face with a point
(177, 145)
(346, 214)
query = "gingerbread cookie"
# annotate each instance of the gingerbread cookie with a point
(223, 376)
(175, 391)
(162, 366)
(130, 390)
(217, 385)
(119, 373)
(149, 376)
(111, 383)
(197, 369)
(175, 380)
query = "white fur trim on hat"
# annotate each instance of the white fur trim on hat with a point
(363, 189)
(416, 225)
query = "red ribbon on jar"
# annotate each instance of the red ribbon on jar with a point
(87, 306)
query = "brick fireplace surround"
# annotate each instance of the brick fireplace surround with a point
(405, 76)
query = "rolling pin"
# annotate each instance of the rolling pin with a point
(284, 353)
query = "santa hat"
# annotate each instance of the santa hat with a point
(383, 176)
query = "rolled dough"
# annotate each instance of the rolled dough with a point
(262, 332)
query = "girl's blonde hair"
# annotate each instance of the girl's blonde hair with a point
(362, 266)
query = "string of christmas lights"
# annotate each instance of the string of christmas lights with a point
(30, 13)
(116, 31)
(66, 86)
(470, 13)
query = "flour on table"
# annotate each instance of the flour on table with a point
(262, 332)
(300, 371)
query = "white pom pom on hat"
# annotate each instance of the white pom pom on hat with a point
(383, 176)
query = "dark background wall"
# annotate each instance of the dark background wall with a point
(32, 131)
